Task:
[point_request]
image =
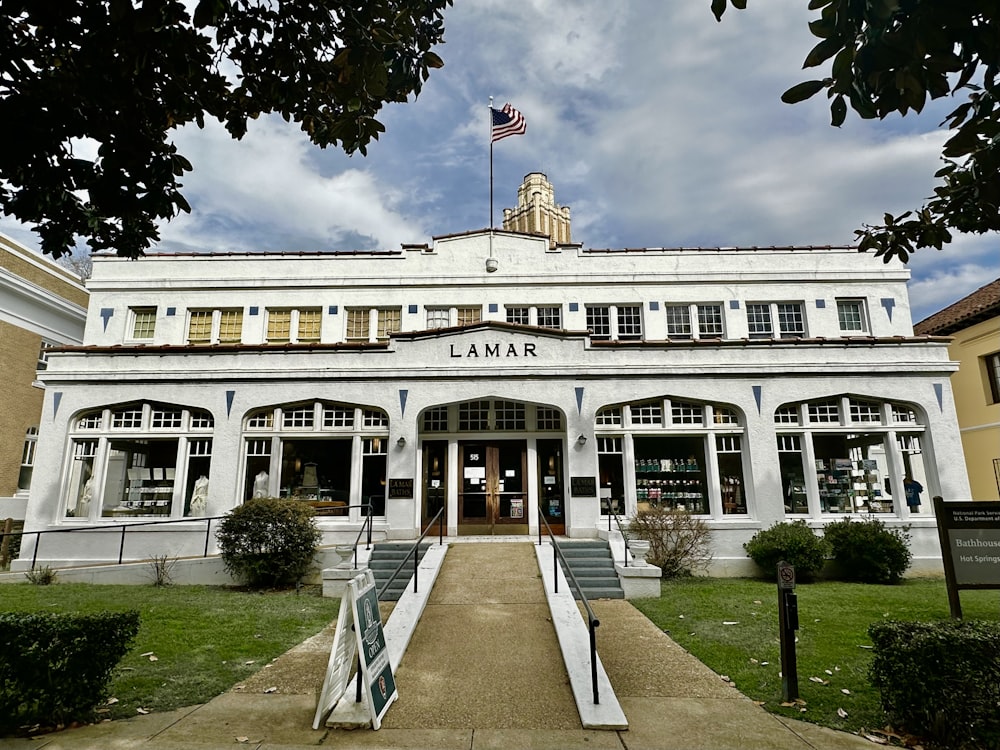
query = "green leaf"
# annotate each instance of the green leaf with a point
(431, 60)
(823, 51)
(802, 91)
(838, 111)
(718, 8)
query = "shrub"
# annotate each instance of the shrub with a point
(42, 576)
(791, 541)
(268, 541)
(56, 668)
(678, 541)
(867, 551)
(940, 680)
(161, 569)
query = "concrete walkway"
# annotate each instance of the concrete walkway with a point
(482, 672)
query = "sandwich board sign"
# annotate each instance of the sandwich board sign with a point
(359, 612)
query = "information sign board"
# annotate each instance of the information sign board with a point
(970, 546)
(583, 486)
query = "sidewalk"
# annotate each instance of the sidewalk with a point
(482, 672)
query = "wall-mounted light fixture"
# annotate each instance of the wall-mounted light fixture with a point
(582, 440)
(491, 265)
(401, 442)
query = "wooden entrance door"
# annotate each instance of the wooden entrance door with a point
(494, 493)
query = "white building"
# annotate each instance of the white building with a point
(498, 375)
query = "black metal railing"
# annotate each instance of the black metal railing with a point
(125, 527)
(439, 518)
(592, 621)
(618, 521)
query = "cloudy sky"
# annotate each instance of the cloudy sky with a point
(657, 125)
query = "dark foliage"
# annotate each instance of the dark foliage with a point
(123, 74)
(867, 551)
(940, 680)
(892, 56)
(56, 668)
(268, 541)
(791, 541)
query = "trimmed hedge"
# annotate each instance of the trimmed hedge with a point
(791, 541)
(269, 541)
(940, 680)
(867, 551)
(56, 668)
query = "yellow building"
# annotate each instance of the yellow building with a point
(974, 322)
(42, 305)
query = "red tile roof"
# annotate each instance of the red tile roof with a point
(982, 304)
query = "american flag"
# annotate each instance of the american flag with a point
(506, 121)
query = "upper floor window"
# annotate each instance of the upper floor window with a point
(543, 316)
(789, 316)
(992, 362)
(851, 316)
(215, 326)
(614, 322)
(372, 324)
(27, 458)
(443, 317)
(693, 321)
(293, 325)
(143, 322)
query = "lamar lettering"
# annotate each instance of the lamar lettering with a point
(493, 351)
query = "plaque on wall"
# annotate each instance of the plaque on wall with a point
(401, 488)
(583, 486)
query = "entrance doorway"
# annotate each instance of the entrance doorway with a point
(493, 497)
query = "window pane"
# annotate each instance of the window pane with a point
(850, 315)
(301, 417)
(357, 325)
(200, 327)
(509, 415)
(678, 322)
(759, 320)
(309, 326)
(519, 315)
(685, 413)
(710, 320)
(610, 416)
(143, 323)
(599, 322)
(230, 326)
(651, 413)
(469, 315)
(279, 326)
(550, 317)
(438, 318)
(993, 375)
(474, 415)
(436, 419)
(388, 322)
(338, 416)
(790, 319)
(629, 322)
(43, 355)
(548, 419)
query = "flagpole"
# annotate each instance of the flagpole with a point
(491, 165)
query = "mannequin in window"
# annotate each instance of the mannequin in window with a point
(199, 497)
(260, 483)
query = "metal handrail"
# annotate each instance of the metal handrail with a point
(413, 551)
(618, 521)
(125, 526)
(366, 524)
(592, 621)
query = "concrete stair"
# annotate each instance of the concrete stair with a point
(594, 568)
(385, 557)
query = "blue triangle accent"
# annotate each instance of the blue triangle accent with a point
(229, 401)
(402, 401)
(579, 400)
(888, 303)
(756, 396)
(56, 398)
(107, 313)
(939, 392)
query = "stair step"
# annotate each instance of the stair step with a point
(594, 569)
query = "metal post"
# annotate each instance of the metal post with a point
(208, 529)
(788, 622)
(593, 661)
(555, 566)
(34, 555)
(121, 547)
(416, 550)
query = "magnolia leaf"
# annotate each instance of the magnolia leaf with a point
(845, 691)
(841, 713)
(802, 91)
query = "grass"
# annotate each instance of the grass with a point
(833, 644)
(204, 639)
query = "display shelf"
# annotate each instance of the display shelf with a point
(847, 486)
(674, 483)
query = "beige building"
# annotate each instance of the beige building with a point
(42, 305)
(974, 322)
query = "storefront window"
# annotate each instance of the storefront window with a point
(309, 451)
(612, 475)
(146, 462)
(793, 482)
(670, 473)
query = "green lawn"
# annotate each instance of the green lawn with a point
(204, 639)
(833, 646)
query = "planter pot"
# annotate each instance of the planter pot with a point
(639, 549)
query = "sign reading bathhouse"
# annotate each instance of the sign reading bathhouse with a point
(360, 609)
(970, 546)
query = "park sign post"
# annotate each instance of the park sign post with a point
(359, 613)
(970, 547)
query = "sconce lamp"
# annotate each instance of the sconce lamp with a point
(582, 440)
(401, 442)
(491, 265)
